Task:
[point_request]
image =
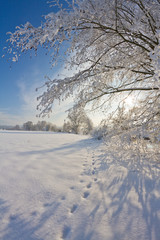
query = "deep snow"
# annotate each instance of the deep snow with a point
(65, 186)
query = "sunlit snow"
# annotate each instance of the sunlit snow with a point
(63, 186)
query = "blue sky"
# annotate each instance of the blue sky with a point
(19, 80)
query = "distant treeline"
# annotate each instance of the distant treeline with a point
(30, 126)
(77, 122)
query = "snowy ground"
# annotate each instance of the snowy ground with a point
(63, 186)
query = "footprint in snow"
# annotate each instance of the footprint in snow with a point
(74, 207)
(81, 181)
(63, 198)
(66, 231)
(13, 217)
(47, 204)
(85, 194)
(89, 185)
(93, 172)
(34, 213)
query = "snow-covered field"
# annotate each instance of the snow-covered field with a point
(65, 186)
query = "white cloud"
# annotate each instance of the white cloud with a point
(28, 97)
(8, 119)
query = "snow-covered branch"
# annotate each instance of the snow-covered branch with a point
(108, 41)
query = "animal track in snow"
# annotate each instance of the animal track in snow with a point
(89, 185)
(74, 207)
(85, 194)
(93, 172)
(65, 232)
(47, 204)
(13, 217)
(34, 213)
(63, 198)
(81, 181)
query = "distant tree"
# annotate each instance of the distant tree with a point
(51, 127)
(41, 125)
(17, 127)
(79, 122)
(115, 45)
(48, 127)
(28, 126)
(87, 126)
(67, 127)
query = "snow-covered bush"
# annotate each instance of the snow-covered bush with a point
(127, 137)
(101, 131)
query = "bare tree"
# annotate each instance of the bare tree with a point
(114, 45)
